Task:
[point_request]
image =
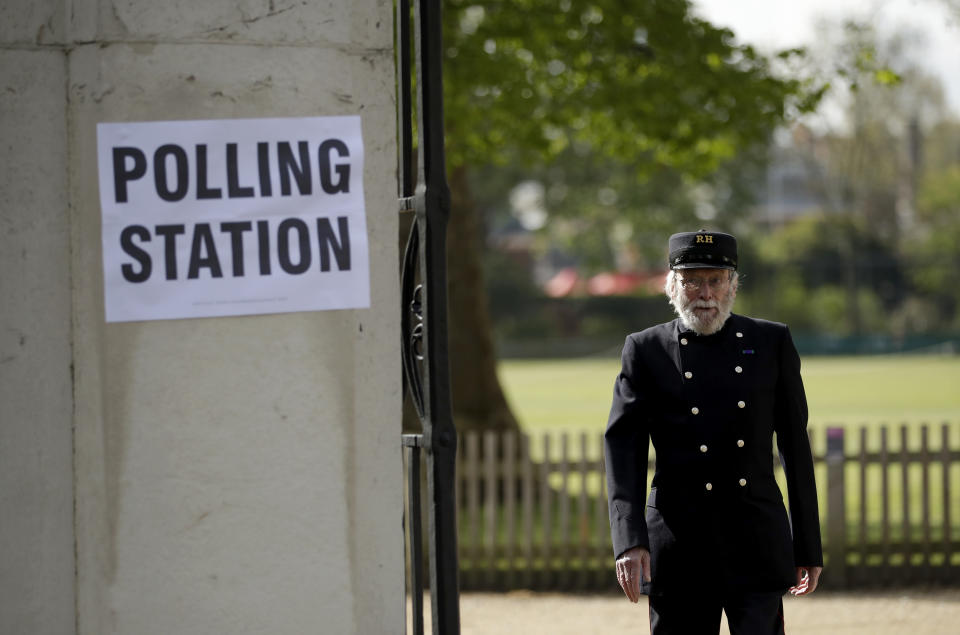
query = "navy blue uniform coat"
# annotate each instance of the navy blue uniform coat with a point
(710, 405)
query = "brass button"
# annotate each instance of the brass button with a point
(688, 375)
(741, 404)
(703, 448)
(709, 486)
(739, 443)
(739, 369)
(695, 410)
(743, 482)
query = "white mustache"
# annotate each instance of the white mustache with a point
(704, 304)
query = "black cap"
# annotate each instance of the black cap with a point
(703, 250)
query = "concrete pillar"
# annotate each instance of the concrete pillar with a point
(36, 401)
(230, 475)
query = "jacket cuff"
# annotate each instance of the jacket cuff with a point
(627, 533)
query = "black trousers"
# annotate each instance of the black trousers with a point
(747, 614)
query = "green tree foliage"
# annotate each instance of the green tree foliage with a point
(934, 248)
(647, 84)
(825, 273)
(872, 259)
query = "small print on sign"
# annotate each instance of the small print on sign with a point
(232, 217)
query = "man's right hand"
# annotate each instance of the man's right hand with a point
(630, 565)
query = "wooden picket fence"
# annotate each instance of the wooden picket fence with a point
(532, 511)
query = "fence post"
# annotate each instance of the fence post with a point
(945, 462)
(836, 508)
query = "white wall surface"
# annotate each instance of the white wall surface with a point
(36, 469)
(232, 475)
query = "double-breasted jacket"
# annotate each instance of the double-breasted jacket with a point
(711, 405)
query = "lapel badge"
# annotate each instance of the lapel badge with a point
(747, 351)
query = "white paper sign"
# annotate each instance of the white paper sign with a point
(232, 217)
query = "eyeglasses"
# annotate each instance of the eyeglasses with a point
(714, 282)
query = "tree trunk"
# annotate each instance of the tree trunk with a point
(478, 399)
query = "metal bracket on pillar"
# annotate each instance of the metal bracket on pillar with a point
(424, 302)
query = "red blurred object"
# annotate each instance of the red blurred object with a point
(562, 283)
(567, 282)
(625, 283)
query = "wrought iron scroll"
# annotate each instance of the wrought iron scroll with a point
(424, 310)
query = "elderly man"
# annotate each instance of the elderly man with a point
(709, 389)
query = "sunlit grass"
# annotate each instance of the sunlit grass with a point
(574, 395)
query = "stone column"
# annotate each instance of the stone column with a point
(231, 475)
(36, 398)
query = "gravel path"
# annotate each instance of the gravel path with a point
(912, 612)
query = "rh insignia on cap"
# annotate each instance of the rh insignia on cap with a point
(702, 249)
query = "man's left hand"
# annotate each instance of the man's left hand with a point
(807, 578)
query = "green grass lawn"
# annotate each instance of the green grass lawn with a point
(573, 395)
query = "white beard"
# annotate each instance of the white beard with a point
(703, 326)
